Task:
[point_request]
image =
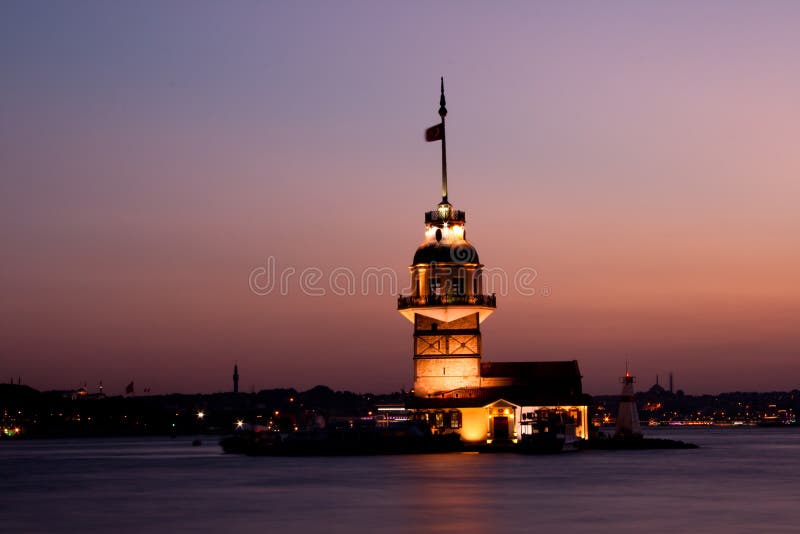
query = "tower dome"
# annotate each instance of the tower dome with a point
(445, 240)
(459, 252)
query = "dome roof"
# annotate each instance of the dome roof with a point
(460, 251)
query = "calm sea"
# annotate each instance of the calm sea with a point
(741, 480)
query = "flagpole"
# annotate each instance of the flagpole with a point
(442, 114)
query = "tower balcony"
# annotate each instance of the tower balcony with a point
(489, 301)
(447, 307)
(445, 214)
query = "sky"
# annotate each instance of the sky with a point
(640, 158)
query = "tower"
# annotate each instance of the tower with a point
(446, 304)
(628, 415)
(236, 377)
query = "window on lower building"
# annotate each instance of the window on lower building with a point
(439, 420)
(455, 419)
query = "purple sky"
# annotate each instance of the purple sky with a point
(642, 157)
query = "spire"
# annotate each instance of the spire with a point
(436, 133)
(442, 109)
(443, 114)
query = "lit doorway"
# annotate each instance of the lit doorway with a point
(500, 428)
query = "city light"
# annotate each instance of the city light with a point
(200, 414)
(239, 424)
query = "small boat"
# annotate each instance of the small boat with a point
(548, 432)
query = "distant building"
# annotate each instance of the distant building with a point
(391, 413)
(454, 389)
(236, 377)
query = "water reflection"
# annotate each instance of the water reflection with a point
(741, 480)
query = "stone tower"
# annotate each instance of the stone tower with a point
(447, 303)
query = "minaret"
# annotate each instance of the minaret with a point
(236, 377)
(628, 415)
(447, 304)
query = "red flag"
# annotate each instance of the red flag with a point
(435, 133)
(129, 389)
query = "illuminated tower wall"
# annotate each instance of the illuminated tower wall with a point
(447, 355)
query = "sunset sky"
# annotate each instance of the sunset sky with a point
(642, 157)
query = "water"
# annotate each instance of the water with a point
(741, 480)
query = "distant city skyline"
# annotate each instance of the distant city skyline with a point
(641, 159)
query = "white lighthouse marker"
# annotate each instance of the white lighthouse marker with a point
(628, 415)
